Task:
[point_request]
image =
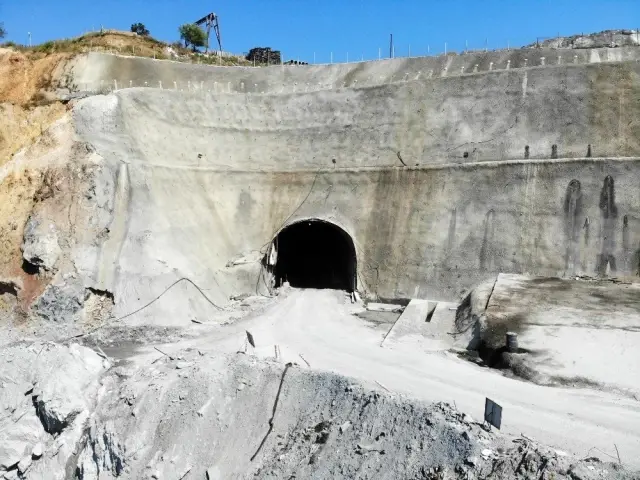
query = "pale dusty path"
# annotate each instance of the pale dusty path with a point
(317, 324)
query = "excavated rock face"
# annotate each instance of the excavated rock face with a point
(67, 415)
(48, 392)
(62, 239)
(237, 417)
(59, 303)
(59, 203)
(57, 194)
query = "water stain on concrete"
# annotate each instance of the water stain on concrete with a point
(452, 229)
(487, 249)
(244, 208)
(636, 262)
(609, 214)
(572, 214)
(626, 248)
(586, 229)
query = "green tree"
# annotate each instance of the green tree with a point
(140, 29)
(3, 32)
(192, 35)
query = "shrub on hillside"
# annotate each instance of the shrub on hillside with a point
(46, 47)
(192, 35)
(140, 29)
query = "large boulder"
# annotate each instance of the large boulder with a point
(40, 246)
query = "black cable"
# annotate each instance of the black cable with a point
(115, 320)
(261, 273)
(273, 415)
(166, 290)
(258, 280)
(294, 212)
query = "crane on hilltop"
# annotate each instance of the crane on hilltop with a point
(211, 21)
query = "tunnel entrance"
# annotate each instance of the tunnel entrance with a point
(315, 254)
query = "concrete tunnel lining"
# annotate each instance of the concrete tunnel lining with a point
(314, 253)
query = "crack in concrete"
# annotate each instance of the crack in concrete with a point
(490, 294)
(485, 141)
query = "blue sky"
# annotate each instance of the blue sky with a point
(345, 27)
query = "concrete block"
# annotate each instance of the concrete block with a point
(442, 320)
(425, 324)
(412, 321)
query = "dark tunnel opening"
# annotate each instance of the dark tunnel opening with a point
(315, 254)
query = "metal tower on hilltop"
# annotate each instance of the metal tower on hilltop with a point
(211, 21)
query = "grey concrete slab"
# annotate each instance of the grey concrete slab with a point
(580, 332)
(413, 320)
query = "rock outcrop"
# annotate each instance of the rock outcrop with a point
(48, 392)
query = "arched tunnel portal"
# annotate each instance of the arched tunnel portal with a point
(314, 253)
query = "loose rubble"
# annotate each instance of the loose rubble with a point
(47, 393)
(155, 420)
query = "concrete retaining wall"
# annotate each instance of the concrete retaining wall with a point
(429, 233)
(461, 119)
(212, 177)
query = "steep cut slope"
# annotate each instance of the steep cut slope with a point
(425, 171)
(25, 111)
(141, 190)
(584, 110)
(223, 172)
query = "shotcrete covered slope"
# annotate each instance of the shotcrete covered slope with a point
(208, 177)
(95, 70)
(491, 116)
(429, 233)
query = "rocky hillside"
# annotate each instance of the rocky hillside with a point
(25, 112)
(606, 38)
(126, 43)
